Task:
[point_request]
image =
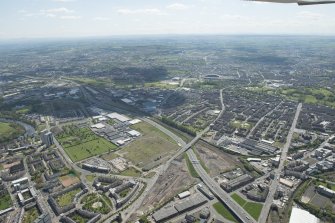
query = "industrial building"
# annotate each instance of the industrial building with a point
(164, 214)
(258, 148)
(118, 117)
(184, 194)
(237, 182)
(169, 212)
(286, 182)
(205, 191)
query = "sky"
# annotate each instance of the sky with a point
(90, 18)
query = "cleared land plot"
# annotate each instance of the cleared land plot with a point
(173, 181)
(109, 156)
(5, 201)
(150, 175)
(150, 147)
(9, 131)
(322, 202)
(202, 163)
(308, 194)
(224, 212)
(274, 217)
(69, 180)
(31, 215)
(215, 160)
(67, 198)
(82, 143)
(253, 208)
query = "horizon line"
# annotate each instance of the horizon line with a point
(132, 36)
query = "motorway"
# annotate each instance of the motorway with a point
(275, 182)
(218, 191)
(136, 205)
(163, 168)
(215, 188)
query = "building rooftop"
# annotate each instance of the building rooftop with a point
(119, 117)
(164, 213)
(302, 216)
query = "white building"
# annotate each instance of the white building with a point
(184, 194)
(302, 216)
(47, 138)
(98, 126)
(134, 133)
(275, 161)
(119, 117)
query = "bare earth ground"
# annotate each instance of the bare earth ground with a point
(175, 180)
(69, 180)
(273, 217)
(215, 160)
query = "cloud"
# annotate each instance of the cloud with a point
(70, 17)
(63, 0)
(309, 15)
(57, 10)
(61, 13)
(178, 6)
(101, 19)
(148, 11)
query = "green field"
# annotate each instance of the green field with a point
(95, 203)
(222, 210)
(239, 199)
(67, 198)
(90, 178)
(239, 125)
(150, 175)
(78, 218)
(31, 215)
(150, 147)
(307, 95)
(332, 186)
(82, 143)
(253, 208)
(89, 149)
(5, 202)
(9, 131)
(161, 85)
(131, 172)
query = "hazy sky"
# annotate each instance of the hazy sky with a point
(72, 18)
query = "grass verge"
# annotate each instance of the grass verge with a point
(253, 208)
(224, 212)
